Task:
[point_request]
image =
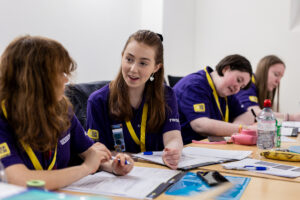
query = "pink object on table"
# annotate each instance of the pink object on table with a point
(246, 137)
(206, 142)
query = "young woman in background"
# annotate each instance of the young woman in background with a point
(265, 85)
(207, 103)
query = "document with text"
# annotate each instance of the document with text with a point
(139, 183)
(193, 157)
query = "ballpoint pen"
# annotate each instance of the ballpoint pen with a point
(126, 162)
(253, 113)
(247, 167)
(153, 153)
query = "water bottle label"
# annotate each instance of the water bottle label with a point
(119, 143)
(266, 126)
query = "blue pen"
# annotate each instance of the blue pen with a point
(154, 153)
(247, 167)
(126, 162)
(257, 168)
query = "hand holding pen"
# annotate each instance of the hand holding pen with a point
(122, 164)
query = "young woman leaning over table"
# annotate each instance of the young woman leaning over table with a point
(38, 129)
(265, 85)
(206, 100)
(138, 103)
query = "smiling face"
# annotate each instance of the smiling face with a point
(275, 74)
(138, 63)
(232, 82)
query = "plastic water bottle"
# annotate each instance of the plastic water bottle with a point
(2, 173)
(266, 127)
(118, 138)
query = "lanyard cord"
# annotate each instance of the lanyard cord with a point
(142, 141)
(37, 165)
(211, 84)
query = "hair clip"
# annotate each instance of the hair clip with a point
(160, 36)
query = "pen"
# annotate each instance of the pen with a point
(126, 162)
(247, 167)
(154, 153)
(253, 114)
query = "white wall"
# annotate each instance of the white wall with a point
(253, 28)
(196, 33)
(94, 31)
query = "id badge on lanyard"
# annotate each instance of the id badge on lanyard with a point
(119, 143)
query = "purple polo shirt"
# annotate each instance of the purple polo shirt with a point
(195, 100)
(98, 120)
(73, 141)
(248, 97)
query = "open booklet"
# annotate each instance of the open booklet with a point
(193, 157)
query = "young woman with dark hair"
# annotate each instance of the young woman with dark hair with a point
(206, 103)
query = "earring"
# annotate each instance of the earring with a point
(151, 77)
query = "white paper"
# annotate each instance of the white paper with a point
(286, 139)
(140, 182)
(197, 155)
(273, 168)
(7, 190)
(291, 124)
(286, 131)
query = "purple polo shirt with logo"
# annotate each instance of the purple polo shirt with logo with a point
(98, 119)
(195, 100)
(73, 141)
(248, 98)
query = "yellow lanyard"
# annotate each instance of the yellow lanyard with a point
(37, 165)
(142, 141)
(253, 79)
(211, 84)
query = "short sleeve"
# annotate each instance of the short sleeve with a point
(80, 142)
(248, 98)
(8, 147)
(194, 102)
(172, 117)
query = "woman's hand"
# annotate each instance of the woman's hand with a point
(118, 165)
(171, 157)
(94, 156)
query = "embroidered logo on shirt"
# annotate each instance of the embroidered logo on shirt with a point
(253, 99)
(199, 107)
(174, 120)
(65, 139)
(4, 150)
(93, 134)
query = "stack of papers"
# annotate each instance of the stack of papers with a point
(193, 157)
(291, 124)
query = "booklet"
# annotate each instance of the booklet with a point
(193, 157)
(140, 183)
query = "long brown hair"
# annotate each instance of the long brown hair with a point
(29, 71)
(119, 104)
(261, 81)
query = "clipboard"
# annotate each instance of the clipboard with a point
(166, 185)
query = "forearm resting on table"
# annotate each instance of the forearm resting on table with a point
(210, 127)
(173, 140)
(19, 174)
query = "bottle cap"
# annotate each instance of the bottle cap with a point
(267, 103)
(37, 184)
